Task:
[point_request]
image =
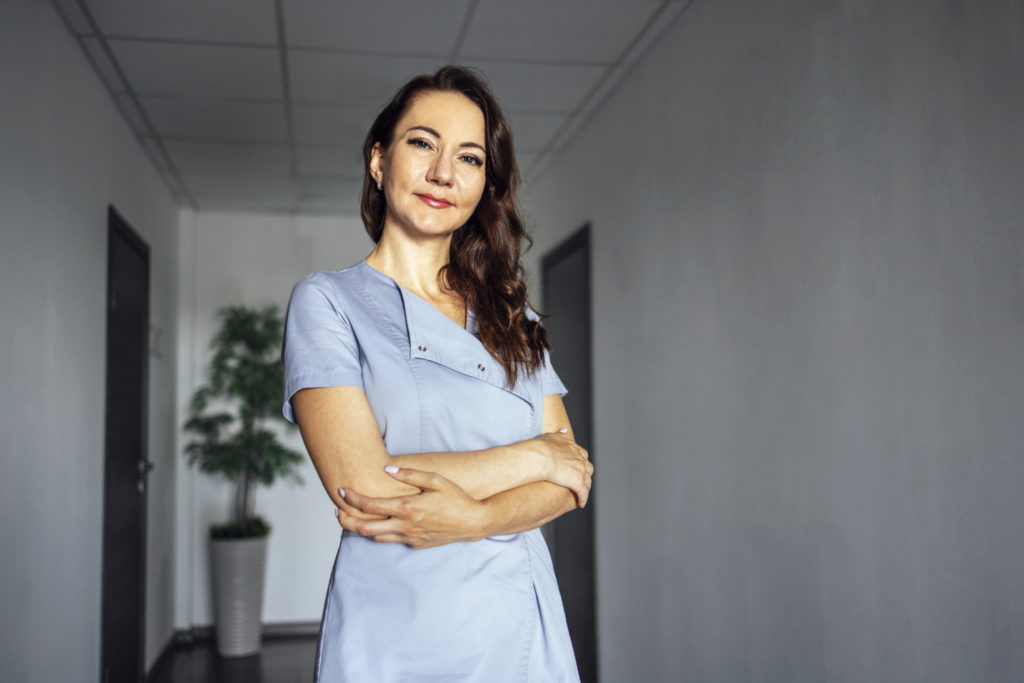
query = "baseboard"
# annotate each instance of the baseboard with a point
(271, 630)
(165, 654)
(291, 629)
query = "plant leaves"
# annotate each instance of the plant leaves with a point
(247, 386)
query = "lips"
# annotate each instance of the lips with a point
(435, 202)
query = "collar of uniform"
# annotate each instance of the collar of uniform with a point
(435, 337)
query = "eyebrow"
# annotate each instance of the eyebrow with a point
(438, 135)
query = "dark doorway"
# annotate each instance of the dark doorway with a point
(566, 273)
(122, 639)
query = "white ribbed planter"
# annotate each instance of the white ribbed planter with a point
(238, 567)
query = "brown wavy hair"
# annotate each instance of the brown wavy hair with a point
(484, 263)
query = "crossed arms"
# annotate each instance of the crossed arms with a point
(436, 498)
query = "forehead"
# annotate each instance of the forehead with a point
(449, 113)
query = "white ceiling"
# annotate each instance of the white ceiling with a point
(263, 104)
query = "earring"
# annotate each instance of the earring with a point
(379, 185)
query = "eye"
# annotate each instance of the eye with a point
(471, 160)
(422, 143)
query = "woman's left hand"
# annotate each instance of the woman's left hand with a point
(441, 513)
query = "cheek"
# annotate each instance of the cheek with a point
(475, 190)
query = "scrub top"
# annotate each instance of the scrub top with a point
(473, 611)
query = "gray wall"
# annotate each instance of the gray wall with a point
(809, 343)
(64, 154)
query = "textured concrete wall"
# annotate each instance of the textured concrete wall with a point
(65, 153)
(809, 343)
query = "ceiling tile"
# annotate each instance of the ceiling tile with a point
(222, 21)
(573, 125)
(534, 131)
(208, 78)
(607, 85)
(217, 121)
(217, 72)
(654, 30)
(596, 31)
(365, 80)
(321, 160)
(252, 202)
(242, 161)
(329, 195)
(326, 187)
(407, 27)
(332, 124)
(242, 192)
(329, 208)
(538, 88)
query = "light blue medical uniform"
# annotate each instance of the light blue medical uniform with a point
(487, 611)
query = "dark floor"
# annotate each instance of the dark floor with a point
(282, 660)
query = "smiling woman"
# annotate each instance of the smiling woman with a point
(421, 383)
(432, 172)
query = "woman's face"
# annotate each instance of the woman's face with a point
(434, 170)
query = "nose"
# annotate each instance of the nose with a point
(440, 171)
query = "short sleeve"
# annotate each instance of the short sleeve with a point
(320, 349)
(550, 382)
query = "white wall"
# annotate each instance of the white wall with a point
(809, 343)
(253, 259)
(64, 155)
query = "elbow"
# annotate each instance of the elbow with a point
(375, 484)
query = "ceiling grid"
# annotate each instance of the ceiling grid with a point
(261, 105)
(286, 90)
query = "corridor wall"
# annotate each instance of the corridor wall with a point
(65, 154)
(809, 343)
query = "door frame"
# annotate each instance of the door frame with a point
(119, 229)
(577, 242)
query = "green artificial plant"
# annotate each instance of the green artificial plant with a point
(231, 412)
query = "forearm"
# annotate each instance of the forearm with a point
(482, 474)
(443, 513)
(345, 445)
(526, 507)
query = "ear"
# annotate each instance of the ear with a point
(377, 162)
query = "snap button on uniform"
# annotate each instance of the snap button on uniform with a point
(421, 347)
(480, 367)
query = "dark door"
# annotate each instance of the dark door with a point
(566, 272)
(124, 481)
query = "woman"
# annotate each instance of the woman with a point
(420, 381)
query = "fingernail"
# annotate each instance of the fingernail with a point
(341, 492)
(337, 511)
(391, 469)
(563, 430)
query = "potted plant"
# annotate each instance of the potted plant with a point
(229, 417)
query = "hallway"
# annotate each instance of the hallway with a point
(808, 345)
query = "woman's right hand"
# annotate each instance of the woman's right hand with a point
(566, 463)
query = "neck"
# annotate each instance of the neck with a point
(414, 264)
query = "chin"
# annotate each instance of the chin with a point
(437, 228)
